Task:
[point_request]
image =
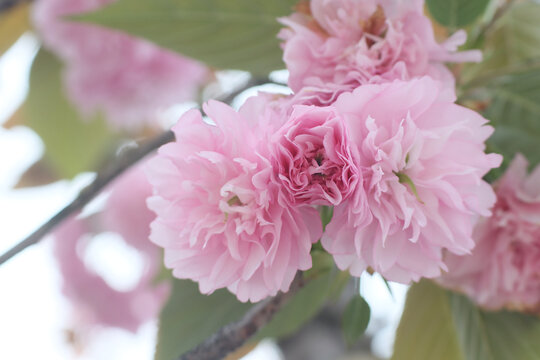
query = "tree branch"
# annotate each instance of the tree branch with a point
(234, 335)
(126, 159)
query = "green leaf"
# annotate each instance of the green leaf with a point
(426, 330)
(509, 81)
(302, 307)
(456, 13)
(515, 38)
(438, 324)
(326, 213)
(323, 262)
(226, 34)
(494, 335)
(514, 110)
(189, 317)
(511, 46)
(355, 319)
(72, 145)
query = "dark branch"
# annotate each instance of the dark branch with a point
(234, 335)
(124, 161)
(6, 5)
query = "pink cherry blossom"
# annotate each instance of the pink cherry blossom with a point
(504, 268)
(221, 218)
(336, 45)
(125, 213)
(125, 77)
(313, 158)
(422, 159)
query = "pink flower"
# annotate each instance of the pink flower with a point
(504, 268)
(126, 214)
(422, 159)
(125, 77)
(221, 218)
(313, 158)
(334, 46)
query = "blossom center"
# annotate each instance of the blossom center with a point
(232, 206)
(234, 201)
(314, 162)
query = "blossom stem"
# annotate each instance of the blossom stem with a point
(234, 335)
(124, 161)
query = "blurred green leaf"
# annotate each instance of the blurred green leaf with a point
(72, 144)
(494, 335)
(302, 307)
(438, 324)
(514, 110)
(508, 82)
(456, 13)
(189, 317)
(355, 319)
(225, 34)
(514, 40)
(426, 330)
(511, 45)
(323, 263)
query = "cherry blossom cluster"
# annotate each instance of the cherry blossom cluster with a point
(96, 301)
(333, 46)
(504, 268)
(126, 78)
(372, 130)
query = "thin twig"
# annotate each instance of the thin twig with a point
(234, 335)
(126, 159)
